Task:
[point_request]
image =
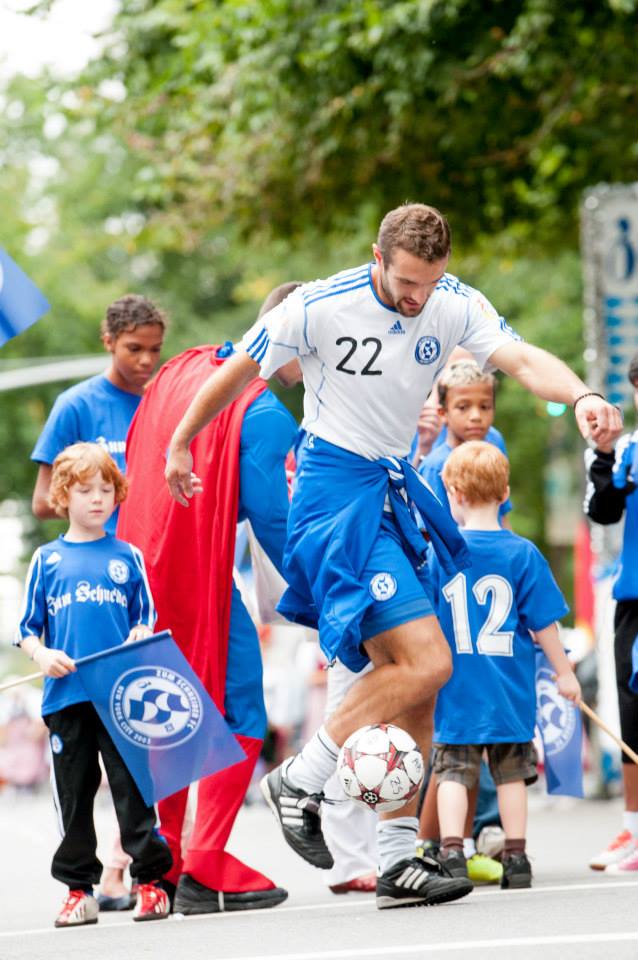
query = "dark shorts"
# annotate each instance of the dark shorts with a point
(509, 762)
(625, 632)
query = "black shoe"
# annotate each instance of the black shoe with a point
(417, 882)
(193, 897)
(298, 815)
(453, 863)
(517, 872)
(170, 889)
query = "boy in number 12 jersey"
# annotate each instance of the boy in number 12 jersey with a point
(492, 614)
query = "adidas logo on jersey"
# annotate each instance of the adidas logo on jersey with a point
(396, 328)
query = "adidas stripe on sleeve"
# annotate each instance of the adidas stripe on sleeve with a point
(33, 615)
(141, 609)
(279, 336)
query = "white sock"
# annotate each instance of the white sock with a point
(396, 840)
(316, 763)
(630, 821)
(469, 847)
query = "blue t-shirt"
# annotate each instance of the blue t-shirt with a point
(83, 598)
(492, 436)
(431, 467)
(268, 432)
(486, 613)
(95, 411)
(626, 472)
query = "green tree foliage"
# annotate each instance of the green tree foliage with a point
(290, 114)
(219, 147)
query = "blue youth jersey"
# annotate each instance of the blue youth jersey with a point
(95, 411)
(83, 598)
(625, 477)
(486, 613)
(268, 432)
(492, 436)
(431, 468)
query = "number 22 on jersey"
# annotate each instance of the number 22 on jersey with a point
(493, 590)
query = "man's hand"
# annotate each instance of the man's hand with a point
(599, 421)
(53, 663)
(179, 474)
(140, 632)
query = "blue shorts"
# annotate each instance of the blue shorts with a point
(398, 591)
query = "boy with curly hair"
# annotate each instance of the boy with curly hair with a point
(87, 592)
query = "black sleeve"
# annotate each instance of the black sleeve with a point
(604, 503)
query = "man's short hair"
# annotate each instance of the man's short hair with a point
(478, 471)
(76, 464)
(632, 373)
(463, 373)
(129, 312)
(416, 228)
(277, 296)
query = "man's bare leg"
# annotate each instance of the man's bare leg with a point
(412, 661)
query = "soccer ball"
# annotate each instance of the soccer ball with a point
(380, 767)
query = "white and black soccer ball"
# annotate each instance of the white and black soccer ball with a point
(380, 767)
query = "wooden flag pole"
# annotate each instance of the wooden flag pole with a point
(603, 726)
(31, 676)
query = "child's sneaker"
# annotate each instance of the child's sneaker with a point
(628, 864)
(517, 872)
(482, 869)
(78, 909)
(619, 848)
(152, 903)
(453, 863)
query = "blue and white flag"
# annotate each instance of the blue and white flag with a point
(559, 723)
(163, 722)
(21, 303)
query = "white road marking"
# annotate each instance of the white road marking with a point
(358, 904)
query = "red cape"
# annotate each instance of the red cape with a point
(189, 552)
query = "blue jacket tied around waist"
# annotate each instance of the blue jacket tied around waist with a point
(334, 520)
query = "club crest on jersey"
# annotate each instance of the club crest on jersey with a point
(57, 746)
(557, 715)
(427, 350)
(118, 571)
(155, 708)
(383, 586)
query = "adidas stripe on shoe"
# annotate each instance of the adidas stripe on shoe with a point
(418, 882)
(298, 815)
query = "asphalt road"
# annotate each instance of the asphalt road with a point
(569, 912)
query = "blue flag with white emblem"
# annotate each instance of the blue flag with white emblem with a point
(21, 303)
(163, 722)
(560, 726)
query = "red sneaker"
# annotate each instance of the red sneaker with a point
(78, 909)
(152, 903)
(365, 884)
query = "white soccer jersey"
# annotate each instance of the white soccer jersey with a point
(367, 369)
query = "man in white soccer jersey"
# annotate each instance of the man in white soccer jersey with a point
(371, 342)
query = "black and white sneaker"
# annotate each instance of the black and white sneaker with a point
(418, 882)
(298, 816)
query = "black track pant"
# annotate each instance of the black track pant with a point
(626, 630)
(77, 736)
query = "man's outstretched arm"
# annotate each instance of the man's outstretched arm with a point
(549, 378)
(221, 388)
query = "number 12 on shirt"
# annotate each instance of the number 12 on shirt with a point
(493, 590)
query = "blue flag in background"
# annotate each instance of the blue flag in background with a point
(164, 724)
(560, 726)
(21, 303)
